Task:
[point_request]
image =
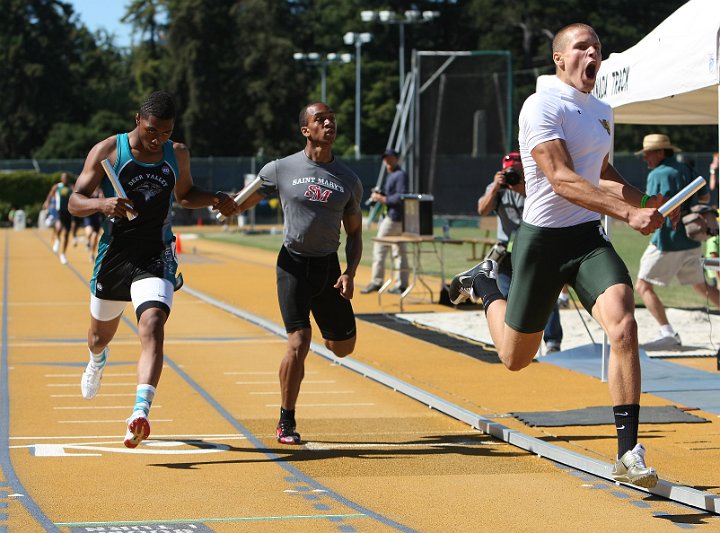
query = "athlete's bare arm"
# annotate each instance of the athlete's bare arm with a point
(353, 253)
(82, 203)
(553, 159)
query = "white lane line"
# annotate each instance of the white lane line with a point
(105, 374)
(100, 395)
(187, 436)
(274, 405)
(154, 421)
(267, 373)
(95, 407)
(133, 384)
(308, 392)
(174, 342)
(374, 445)
(275, 382)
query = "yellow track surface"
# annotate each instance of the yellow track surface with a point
(373, 459)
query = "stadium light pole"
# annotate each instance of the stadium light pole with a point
(411, 16)
(357, 39)
(314, 58)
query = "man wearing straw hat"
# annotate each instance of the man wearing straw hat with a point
(670, 253)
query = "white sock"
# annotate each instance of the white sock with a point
(667, 330)
(98, 359)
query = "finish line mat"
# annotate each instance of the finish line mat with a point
(474, 349)
(593, 416)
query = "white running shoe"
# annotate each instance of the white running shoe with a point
(461, 286)
(665, 342)
(138, 429)
(631, 468)
(56, 246)
(63, 259)
(90, 381)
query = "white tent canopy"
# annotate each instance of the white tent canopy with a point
(671, 76)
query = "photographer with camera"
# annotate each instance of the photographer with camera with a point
(505, 195)
(395, 185)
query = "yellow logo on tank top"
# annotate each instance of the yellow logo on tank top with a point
(605, 124)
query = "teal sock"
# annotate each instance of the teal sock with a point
(98, 359)
(144, 398)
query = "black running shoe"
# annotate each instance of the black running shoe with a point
(461, 286)
(286, 433)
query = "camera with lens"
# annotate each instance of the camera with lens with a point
(370, 202)
(512, 177)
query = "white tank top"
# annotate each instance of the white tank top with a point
(560, 111)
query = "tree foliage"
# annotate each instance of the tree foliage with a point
(230, 65)
(52, 69)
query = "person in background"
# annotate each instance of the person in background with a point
(505, 195)
(670, 253)
(58, 199)
(396, 184)
(92, 225)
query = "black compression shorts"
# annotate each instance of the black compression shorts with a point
(305, 284)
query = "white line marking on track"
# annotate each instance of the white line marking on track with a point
(91, 407)
(105, 374)
(310, 382)
(101, 395)
(325, 404)
(263, 373)
(104, 384)
(372, 445)
(224, 436)
(153, 421)
(149, 447)
(308, 392)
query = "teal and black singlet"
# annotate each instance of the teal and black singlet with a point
(130, 250)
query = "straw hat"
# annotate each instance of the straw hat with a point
(657, 141)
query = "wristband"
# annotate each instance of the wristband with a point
(644, 200)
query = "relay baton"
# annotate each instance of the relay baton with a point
(685, 193)
(244, 194)
(110, 172)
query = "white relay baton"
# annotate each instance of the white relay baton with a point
(684, 194)
(110, 173)
(244, 194)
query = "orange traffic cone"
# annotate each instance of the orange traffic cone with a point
(178, 244)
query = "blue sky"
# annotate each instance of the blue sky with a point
(96, 14)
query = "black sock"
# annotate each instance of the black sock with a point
(287, 415)
(487, 289)
(626, 424)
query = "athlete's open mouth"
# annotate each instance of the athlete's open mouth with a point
(591, 70)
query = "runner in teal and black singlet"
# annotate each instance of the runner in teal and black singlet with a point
(131, 250)
(136, 262)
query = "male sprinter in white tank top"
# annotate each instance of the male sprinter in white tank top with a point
(136, 259)
(565, 140)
